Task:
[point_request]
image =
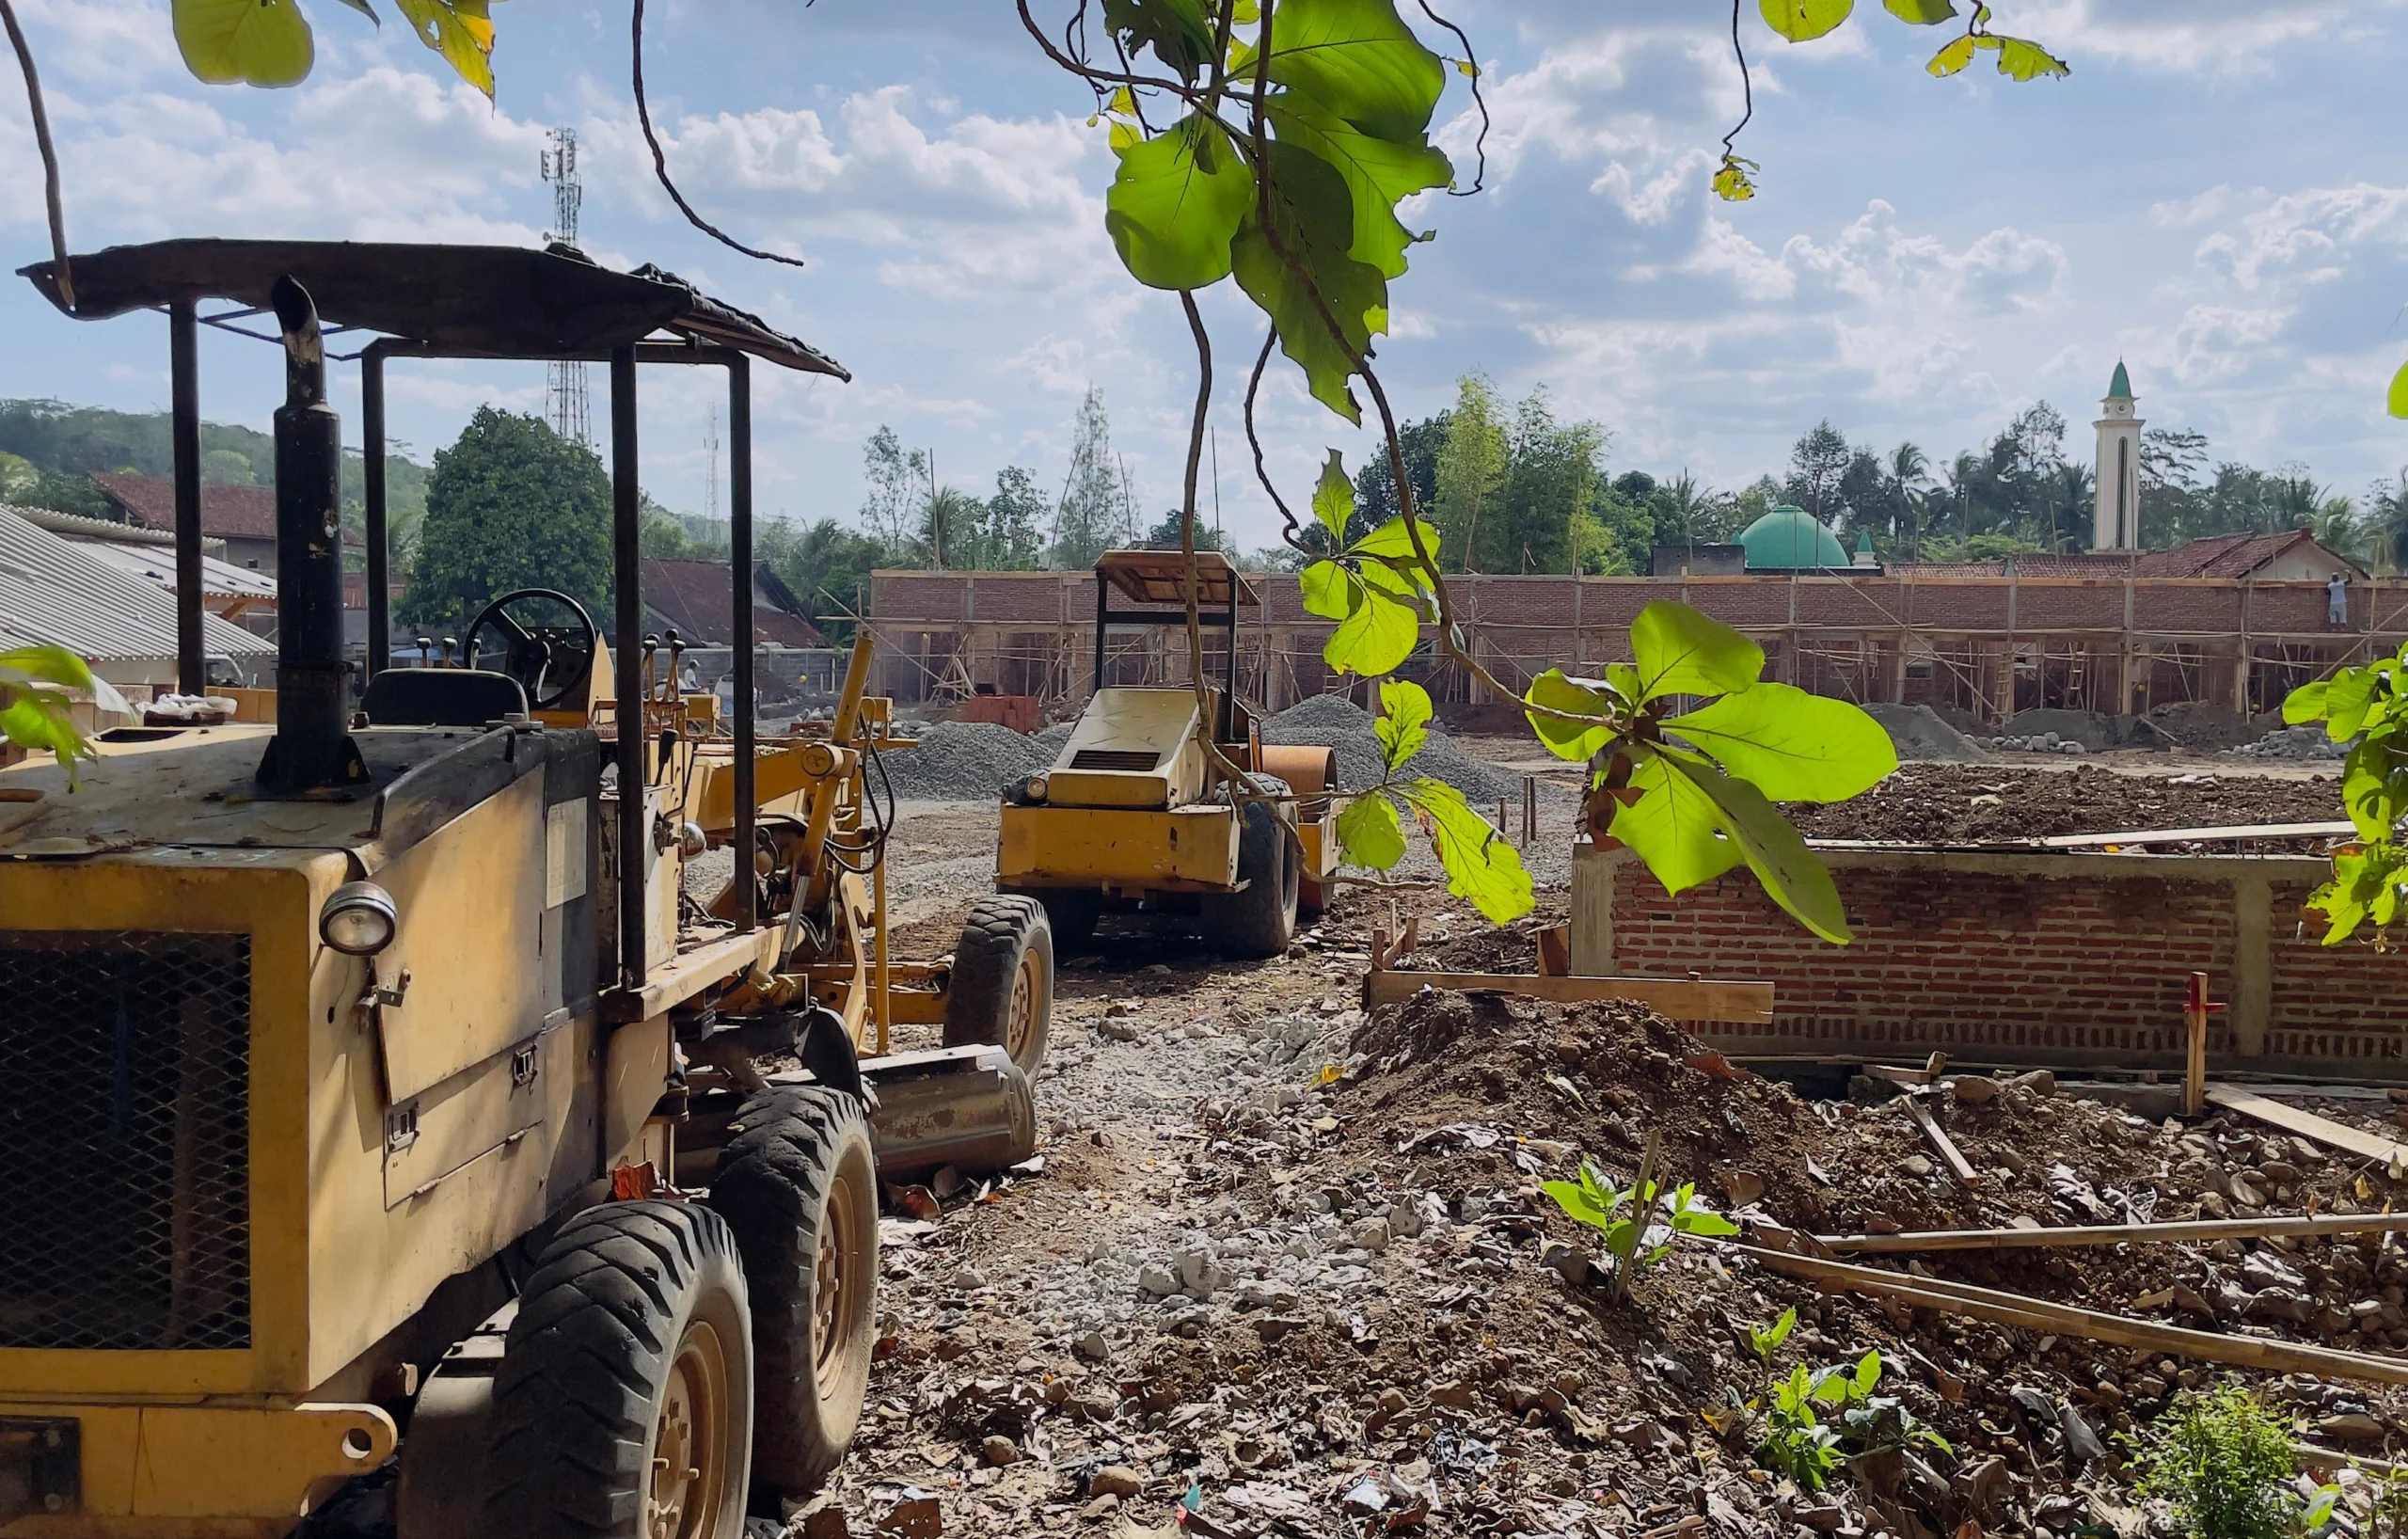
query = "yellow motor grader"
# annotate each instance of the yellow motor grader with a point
(389, 1102)
(1135, 815)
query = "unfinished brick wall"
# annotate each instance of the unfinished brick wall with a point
(2016, 958)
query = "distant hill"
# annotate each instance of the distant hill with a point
(67, 443)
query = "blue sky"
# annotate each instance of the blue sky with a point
(2217, 194)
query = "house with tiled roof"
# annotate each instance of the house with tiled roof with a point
(697, 599)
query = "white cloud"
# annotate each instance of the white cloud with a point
(2192, 37)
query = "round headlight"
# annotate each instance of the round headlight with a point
(691, 839)
(1033, 788)
(358, 919)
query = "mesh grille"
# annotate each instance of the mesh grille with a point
(1113, 758)
(125, 1110)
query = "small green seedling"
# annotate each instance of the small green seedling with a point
(1765, 1339)
(1638, 1226)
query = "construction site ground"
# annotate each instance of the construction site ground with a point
(1282, 1269)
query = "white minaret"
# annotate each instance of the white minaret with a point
(2115, 525)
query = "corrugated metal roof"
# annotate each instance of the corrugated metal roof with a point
(58, 591)
(155, 563)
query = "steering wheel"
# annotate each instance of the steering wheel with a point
(551, 658)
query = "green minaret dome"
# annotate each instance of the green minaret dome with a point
(2121, 385)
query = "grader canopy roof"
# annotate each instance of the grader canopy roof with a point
(503, 300)
(1154, 577)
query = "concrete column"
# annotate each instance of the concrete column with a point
(1593, 910)
(2252, 1004)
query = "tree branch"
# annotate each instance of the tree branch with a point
(49, 155)
(661, 163)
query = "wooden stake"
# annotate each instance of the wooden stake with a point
(1530, 810)
(2324, 1130)
(1945, 1147)
(2038, 1314)
(1555, 951)
(2115, 1234)
(2194, 1071)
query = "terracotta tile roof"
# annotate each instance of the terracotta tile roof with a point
(227, 512)
(2230, 556)
(695, 596)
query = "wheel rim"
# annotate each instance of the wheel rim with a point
(832, 1314)
(690, 1440)
(1020, 1016)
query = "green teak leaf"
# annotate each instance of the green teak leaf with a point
(1674, 828)
(1176, 203)
(2023, 59)
(1774, 851)
(1334, 500)
(1803, 21)
(1329, 590)
(1481, 864)
(1568, 739)
(1921, 12)
(1403, 723)
(1356, 61)
(1178, 31)
(1791, 745)
(1680, 651)
(1368, 833)
(2348, 696)
(1952, 59)
(1378, 174)
(2397, 402)
(1732, 182)
(1311, 213)
(1379, 632)
(2305, 703)
(249, 43)
(461, 31)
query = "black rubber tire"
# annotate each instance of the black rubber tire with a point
(576, 1402)
(1259, 921)
(794, 1146)
(998, 940)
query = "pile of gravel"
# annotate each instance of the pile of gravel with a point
(1050, 740)
(2304, 743)
(964, 761)
(1920, 735)
(1331, 720)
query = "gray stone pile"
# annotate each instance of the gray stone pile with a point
(2306, 744)
(2046, 742)
(1335, 722)
(962, 761)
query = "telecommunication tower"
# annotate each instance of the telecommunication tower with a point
(710, 474)
(565, 402)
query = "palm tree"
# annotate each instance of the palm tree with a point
(948, 531)
(2072, 488)
(1907, 471)
(2386, 523)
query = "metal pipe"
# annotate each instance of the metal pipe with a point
(312, 748)
(184, 431)
(739, 542)
(1229, 696)
(371, 473)
(626, 521)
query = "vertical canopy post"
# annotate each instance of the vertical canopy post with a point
(371, 445)
(628, 560)
(740, 545)
(183, 432)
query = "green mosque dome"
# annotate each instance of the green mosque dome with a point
(1789, 539)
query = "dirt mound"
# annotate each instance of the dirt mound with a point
(1953, 805)
(1919, 735)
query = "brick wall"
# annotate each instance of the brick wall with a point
(2052, 958)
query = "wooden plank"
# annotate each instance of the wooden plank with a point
(2191, 835)
(1682, 999)
(1945, 1147)
(2065, 1319)
(2115, 1234)
(2324, 1130)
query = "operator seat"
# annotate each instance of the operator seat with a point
(441, 697)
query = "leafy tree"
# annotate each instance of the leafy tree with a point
(1010, 537)
(1375, 499)
(827, 565)
(1817, 464)
(947, 530)
(18, 477)
(1471, 468)
(2387, 519)
(1165, 534)
(1092, 512)
(511, 504)
(894, 476)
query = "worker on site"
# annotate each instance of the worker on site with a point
(2337, 597)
